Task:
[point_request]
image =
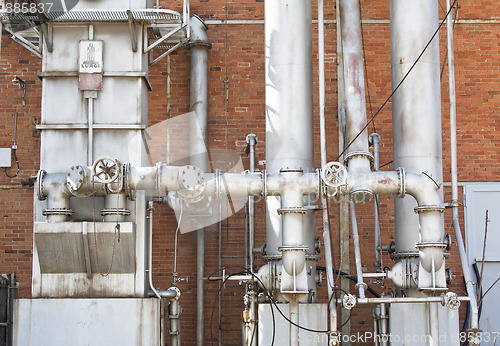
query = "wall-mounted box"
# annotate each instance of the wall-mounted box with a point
(5, 157)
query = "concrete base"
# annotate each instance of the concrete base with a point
(81, 322)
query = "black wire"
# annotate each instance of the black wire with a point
(387, 163)
(218, 296)
(352, 278)
(400, 83)
(17, 164)
(366, 70)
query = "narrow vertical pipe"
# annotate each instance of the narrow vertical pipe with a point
(252, 141)
(453, 111)
(355, 238)
(199, 45)
(294, 317)
(344, 201)
(322, 129)
(474, 323)
(90, 138)
(375, 141)
(321, 77)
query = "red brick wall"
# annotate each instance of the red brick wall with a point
(236, 62)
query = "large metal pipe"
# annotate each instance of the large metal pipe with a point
(199, 45)
(356, 139)
(416, 110)
(289, 125)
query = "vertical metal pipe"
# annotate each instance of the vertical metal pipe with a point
(375, 141)
(344, 201)
(434, 324)
(199, 46)
(173, 314)
(322, 129)
(354, 82)
(474, 320)
(289, 122)
(252, 141)
(416, 112)
(90, 139)
(355, 238)
(469, 283)
(294, 317)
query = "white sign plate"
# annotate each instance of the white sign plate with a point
(90, 58)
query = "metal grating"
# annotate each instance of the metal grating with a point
(151, 15)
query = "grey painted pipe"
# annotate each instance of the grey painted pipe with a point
(416, 110)
(199, 45)
(288, 80)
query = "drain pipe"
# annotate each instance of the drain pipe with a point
(474, 319)
(199, 45)
(251, 325)
(324, 203)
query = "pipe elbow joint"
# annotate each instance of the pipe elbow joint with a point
(198, 33)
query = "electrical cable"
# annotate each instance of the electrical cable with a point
(364, 63)
(245, 271)
(352, 278)
(17, 164)
(400, 83)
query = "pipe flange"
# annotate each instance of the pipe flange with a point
(217, 184)
(264, 183)
(115, 211)
(39, 185)
(404, 255)
(431, 244)
(126, 176)
(426, 208)
(284, 248)
(402, 182)
(313, 257)
(268, 258)
(177, 291)
(57, 211)
(354, 154)
(292, 210)
(361, 284)
(291, 170)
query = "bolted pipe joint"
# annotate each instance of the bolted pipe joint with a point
(358, 165)
(198, 33)
(52, 187)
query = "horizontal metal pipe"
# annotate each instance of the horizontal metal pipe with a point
(397, 300)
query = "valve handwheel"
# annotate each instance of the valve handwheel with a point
(334, 174)
(106, 170)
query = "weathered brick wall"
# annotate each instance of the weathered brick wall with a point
(236, 69)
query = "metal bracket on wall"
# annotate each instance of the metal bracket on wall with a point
(133, 33)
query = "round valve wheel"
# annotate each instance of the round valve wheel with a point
(334, 174)
(106, 170)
